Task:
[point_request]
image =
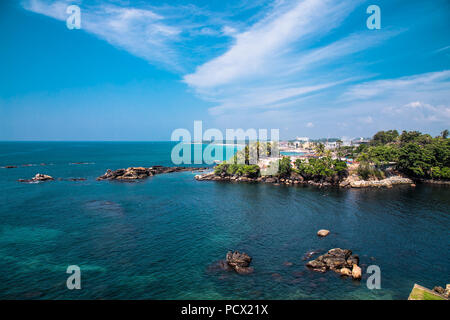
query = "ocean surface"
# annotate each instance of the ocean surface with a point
(160, 238)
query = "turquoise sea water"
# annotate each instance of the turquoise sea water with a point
(286, 153)
(160, 238)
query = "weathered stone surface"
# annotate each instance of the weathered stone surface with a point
(317, 265)
(37, 178)
(240, 262)
(338, 260)
(323, 233)
(346, 272)
(136, 173)
(356, 272)
(439, 290)
(387, 183)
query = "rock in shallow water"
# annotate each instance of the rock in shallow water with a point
(240, 262)
(338, 260)
(323, 233)
(37, 178)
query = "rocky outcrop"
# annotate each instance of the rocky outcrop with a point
(353, 181)
(339, 260)
(323, 233)
(38, 178)
(136, 173)
(292, 180)
(239, 262)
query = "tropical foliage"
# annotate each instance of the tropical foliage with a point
(251, 171)
(321, 168)
(413, 153)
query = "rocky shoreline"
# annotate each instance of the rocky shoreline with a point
(354, 182)
(296, 179)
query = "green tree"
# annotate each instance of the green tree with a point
(384, 137)
(320, 149)
(409, 136)
(284, 167)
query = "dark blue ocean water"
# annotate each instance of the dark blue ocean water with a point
(159, 238)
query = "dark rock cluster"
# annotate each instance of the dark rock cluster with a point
(237, 261)
(136, 173)
(293, 179)
(339, 260)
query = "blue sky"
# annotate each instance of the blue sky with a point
(137, 70)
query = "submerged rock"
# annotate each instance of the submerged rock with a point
(240, 262)
(310, 254)
(339, 260)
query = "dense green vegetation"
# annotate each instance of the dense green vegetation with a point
(284, 167)
(323, 168)
(413, 153)
(251, 171)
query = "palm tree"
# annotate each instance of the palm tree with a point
(444, 134)
(320, 149)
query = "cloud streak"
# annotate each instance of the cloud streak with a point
(287, 64)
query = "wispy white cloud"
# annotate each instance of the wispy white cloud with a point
(140, 31)
(276, 62)
(426, 83)
(157, 34)
(255, 48)
(420, 111)
(287, 65)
